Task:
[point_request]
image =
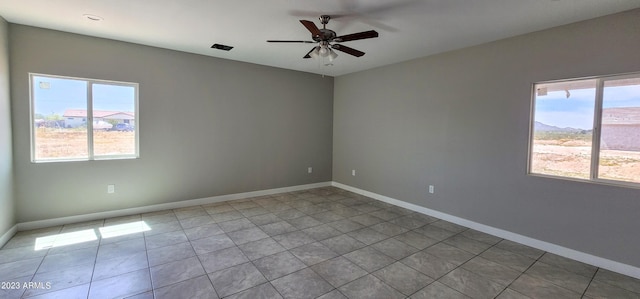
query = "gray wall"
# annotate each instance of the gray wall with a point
(460, 121)
(208, 126)
(7, 217)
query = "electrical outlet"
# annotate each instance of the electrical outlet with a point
(111, 189)
(431, 189)
(310, 170)
(353, 172)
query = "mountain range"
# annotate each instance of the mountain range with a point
(541, 127)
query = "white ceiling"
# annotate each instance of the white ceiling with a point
(408, 28)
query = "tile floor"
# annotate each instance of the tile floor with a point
(320, 243)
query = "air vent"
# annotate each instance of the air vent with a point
(221, 47)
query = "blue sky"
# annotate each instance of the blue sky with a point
(556, 109)
(553, 109)
(64, 94)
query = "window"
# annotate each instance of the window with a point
(82, 119)
(587, 129)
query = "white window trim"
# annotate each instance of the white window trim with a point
(91, 156)
(595, 144)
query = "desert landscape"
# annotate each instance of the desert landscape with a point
(569, 154)
(554, 153)
(55, 143)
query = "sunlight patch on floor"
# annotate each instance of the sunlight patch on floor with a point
(65, 239)
(89, 235)
(124, 229)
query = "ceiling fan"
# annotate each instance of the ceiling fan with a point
(328, 40)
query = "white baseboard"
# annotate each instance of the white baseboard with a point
(7, 236)
(535, 243)
(159, 207)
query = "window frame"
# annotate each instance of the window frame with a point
(89, 120)
(596, 131)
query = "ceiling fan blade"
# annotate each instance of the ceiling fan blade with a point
(292, 41)
(348, 50)
(311, 27)
(356, 36)
(309, 56)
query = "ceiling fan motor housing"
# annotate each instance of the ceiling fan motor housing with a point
(327, 35)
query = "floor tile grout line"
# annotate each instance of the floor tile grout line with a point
(612, 285)
(288, 250)
(399, 260)
(174, 283)
(571, 272)
(387, 237)
(47, 254)
(306, 266)
(321, 277)
(436, 279)
(209, 278)
(538, 259)
(95, 262)
(265, 277)
(146, 252)
(590, 281)
(523, 273)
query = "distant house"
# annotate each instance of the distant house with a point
(621, 129)
(78, 117)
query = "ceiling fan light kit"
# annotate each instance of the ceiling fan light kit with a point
(332, 55)
(315, 53)
(327, 40)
